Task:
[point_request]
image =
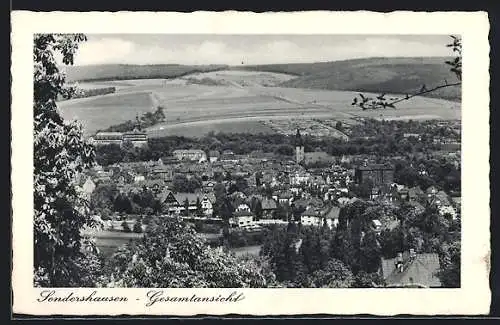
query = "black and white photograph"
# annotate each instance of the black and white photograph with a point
(215, 160)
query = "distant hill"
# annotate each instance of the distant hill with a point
(106, 72)
(390, 75)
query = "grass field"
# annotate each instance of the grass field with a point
(201, 128)
(251, 250)
(100, 112)
(236, 105)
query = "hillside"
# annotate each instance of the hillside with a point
(391, 75)
(107, 72)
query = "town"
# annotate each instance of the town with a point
(343, 173)
(239, 200)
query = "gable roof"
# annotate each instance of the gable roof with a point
(209, 196)
(311, 213)
(431, 189)
(268, 204)
(422, 270)
(242, 214)
(181, 197)
(163, 195)
(333, 213)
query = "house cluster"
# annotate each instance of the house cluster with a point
(285, 189)
(278, 185)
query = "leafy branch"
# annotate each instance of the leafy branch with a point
(365, 102)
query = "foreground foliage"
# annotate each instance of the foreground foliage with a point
(172, 255)
(60, 153)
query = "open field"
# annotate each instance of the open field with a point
(201, 128)
(236, 104)
(100, 112)
(252, 250)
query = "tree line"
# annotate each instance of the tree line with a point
(350, 255)
(146, 120)
(379, 137)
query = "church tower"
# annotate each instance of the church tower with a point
(137, 125)
(299, 148)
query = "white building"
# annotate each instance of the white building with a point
(241, 219)
(243, 208)
(190, 154)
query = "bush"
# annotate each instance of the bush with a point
(211, 229)
(125, 226)
(137, 227)
(242, 238)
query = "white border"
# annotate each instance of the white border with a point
(472, 298)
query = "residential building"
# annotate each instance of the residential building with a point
(317, 217)
(190, 154)
(243, 207)
(378, 174)
(175, 202)
(136, 137)
(241, 219)
(88, 187)
(411, 269)
(268, 207)
(106, 138)
(213, 155)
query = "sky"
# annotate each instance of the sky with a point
(252, 49)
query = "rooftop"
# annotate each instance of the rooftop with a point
(420, 270)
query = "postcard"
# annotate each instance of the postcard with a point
(213, 163)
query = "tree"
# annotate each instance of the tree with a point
(370, 253)
(102, 198)
(368, 280)
(285, 150)
(180, 183)
(186, 207)
(108, 154)
(125, 226)
(258, 179)
(449, 272)
(199, 208)
(382, 101)
(137, 227)
(258, 209)
(122, 204)
(60, 153)
(335, 275)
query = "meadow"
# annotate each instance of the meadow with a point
(235, 101)
(100, 112)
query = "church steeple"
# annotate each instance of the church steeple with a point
(298, 139)
(137, 126)
(299, 148)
